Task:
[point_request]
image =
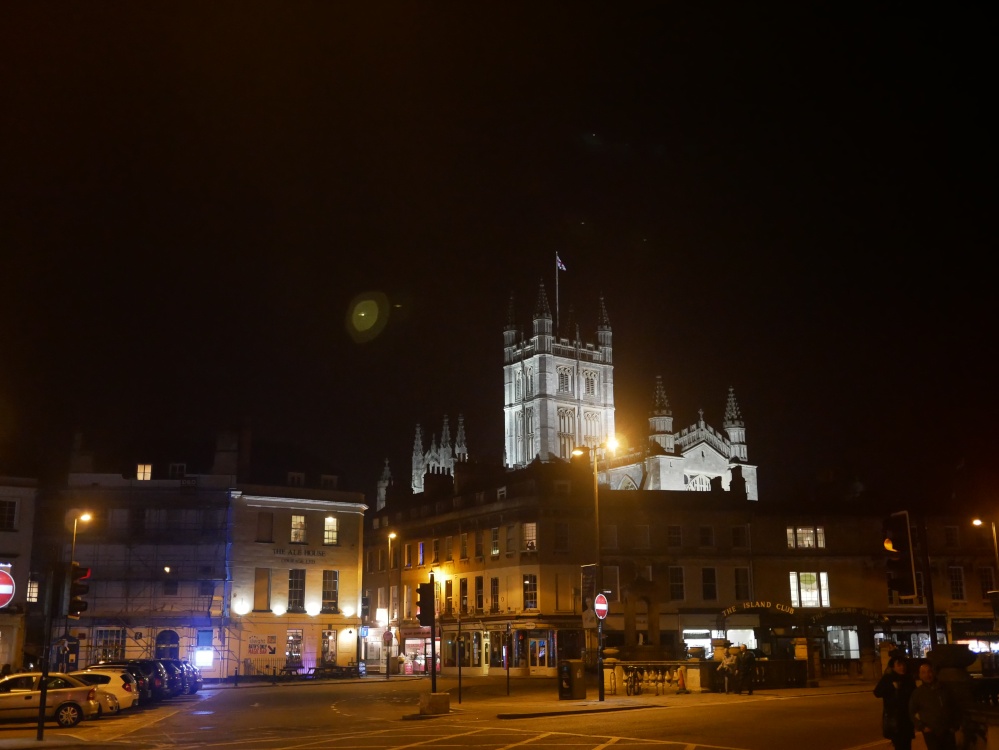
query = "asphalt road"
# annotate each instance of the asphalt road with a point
(375, 714)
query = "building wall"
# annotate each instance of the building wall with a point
(17, 504)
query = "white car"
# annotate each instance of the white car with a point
(114, 680)
(67, 700)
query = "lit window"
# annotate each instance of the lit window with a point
(298, 529)
(530, 591)
(806, 537)
(420, 560)
(296, 589)
(32, 593)
(331, 590)
(331, 531)
(293, 648)
(144, 472)
(809, 589)
(530, 537)
(495, 541)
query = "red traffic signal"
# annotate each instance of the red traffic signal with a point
(78, 585)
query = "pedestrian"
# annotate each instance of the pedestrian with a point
(895, 688)
(746, 667)
(728, 669)
(932, 711)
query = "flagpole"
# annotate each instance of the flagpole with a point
(557, 327)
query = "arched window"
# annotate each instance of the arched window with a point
(530, 382)
(590, 383)
(167, 645)
(518, 386)
(564, 380)
(700, 483)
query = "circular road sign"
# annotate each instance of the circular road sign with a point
(600, 606)
(387, 637)
(6, 588)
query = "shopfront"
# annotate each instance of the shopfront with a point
(979, 634)
(910, 632)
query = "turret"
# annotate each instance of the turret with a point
(419, 462)
(460, 447)
(542, 321)
(661, 418)
(735, 428)
(604, 332)
(384, 482)
(510, 330)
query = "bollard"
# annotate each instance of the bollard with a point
(274, 675)
(235, 678)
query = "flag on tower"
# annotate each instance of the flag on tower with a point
(558, 263)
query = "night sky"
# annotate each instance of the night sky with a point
(790, 201)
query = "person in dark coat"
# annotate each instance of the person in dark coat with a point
(933, 711)
(746, 665)
(895, 689)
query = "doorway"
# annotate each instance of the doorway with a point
(538, 656)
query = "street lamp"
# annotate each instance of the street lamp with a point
(611, 445)
(82, 517)
(388, 624)
(995, 546)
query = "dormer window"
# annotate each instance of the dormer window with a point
(178, 471)
(296, 479)
(144, 472)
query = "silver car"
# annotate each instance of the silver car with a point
(67, 701)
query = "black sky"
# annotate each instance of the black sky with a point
(791, 201)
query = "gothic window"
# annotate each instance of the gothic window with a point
(564, 380)
(567, 431)
(530, 382)
(518, 386)
(590, 383)
(591, 427)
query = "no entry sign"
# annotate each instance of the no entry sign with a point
(387, 637)
(600, 606)
(6, 588)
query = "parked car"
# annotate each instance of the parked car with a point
(116, 680)
(192, 679)
(176, 678)
(107, 703)
(67, 700)
(156, 675)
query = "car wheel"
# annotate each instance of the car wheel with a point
(69, 715)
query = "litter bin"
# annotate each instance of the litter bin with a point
(571, 682)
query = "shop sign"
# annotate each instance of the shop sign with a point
(756, 606)
(860, 612)
(978, 628)
(411, 632)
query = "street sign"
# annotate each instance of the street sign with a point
(387, 637)
(600, 606)
(6, 588)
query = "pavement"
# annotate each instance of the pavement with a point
(518, 698)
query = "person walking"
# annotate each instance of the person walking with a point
(933, 712)
(895, 689)
(746, 667)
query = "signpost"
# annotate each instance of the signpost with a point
(600, 608)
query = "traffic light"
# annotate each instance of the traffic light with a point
(78, 584)
(425, 604)
(898, 547)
